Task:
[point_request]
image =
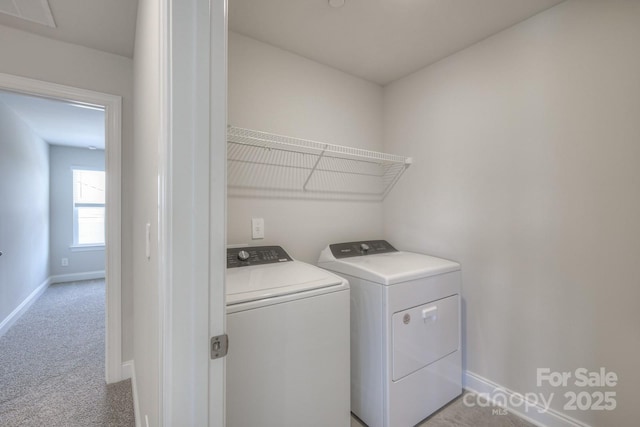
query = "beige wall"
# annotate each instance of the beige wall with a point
(32, 56)
(526, 150)
(275, 91)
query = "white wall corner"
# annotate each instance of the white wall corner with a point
(24, 306)
(536, 414)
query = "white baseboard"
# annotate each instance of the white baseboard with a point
(129, 370)
(535, 415)
(89, 275)
(24, 306)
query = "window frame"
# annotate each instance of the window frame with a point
(75, 246)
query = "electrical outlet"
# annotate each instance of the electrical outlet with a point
(257, 228)
(65, 262)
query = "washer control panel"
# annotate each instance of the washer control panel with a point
(256, 255)
(365, 247)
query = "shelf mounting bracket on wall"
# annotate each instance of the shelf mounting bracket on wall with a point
(315, 166)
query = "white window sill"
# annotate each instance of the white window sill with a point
(82, 248)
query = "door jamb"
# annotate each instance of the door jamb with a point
(192, 209)
(112, 105)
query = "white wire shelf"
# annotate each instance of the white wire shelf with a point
(261, 164)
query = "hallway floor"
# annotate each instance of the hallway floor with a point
(52, 364)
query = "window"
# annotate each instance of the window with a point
(88, 207)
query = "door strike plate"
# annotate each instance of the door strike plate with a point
(219, 346)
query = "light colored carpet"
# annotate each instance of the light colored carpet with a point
(52, 364)
(457, 414)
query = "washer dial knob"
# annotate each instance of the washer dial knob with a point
(364, 247)
(243, 255)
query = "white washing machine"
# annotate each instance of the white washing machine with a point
(405, 331)
(288, 329)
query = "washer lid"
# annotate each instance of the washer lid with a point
(389, 268)
(272, 280)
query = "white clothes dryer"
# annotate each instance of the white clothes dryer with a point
(405, 331)
(288, 329)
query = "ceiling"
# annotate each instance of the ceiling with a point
(31, 10)
(107, 25)
(378, 40)
(59, 122)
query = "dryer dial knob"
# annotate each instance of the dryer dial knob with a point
(243, 255)
(364, 247)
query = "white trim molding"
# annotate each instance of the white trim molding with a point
(112, 105)
(23, 307)
(74, 277)
(192, 209)
(218, 203)
(129, 371)
(536, 415)
(86, 248)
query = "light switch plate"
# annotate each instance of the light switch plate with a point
(147, 241)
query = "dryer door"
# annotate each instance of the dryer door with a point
(424, 334)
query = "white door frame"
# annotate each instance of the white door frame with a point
(218, 203)
(192, 209)
(113, 143)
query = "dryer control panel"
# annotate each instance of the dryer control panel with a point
(256, 255)
(365, 247)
